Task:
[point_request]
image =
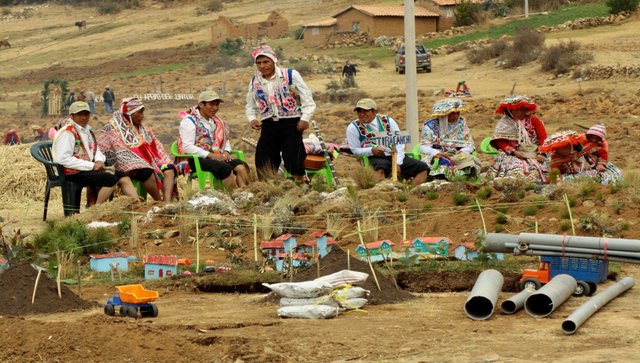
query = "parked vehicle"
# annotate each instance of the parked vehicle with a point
(423, 59)
(587, 271)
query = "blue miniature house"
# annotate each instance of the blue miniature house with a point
(103, 263)
(378, 251)
(432, 245)
(322, 244)
(158, 266)
(280, 250)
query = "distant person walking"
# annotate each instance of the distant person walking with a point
(71, 98)
(91, 100)
(108, 97)
(272, 108)
(348, 74)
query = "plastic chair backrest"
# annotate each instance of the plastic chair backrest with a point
(41, 151)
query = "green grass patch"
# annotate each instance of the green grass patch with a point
(558, 17)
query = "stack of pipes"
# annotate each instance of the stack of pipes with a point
(534, 244)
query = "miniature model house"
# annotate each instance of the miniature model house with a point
(158, 266)
(109, 261)
(378, 251)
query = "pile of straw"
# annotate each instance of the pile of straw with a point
(23, 177)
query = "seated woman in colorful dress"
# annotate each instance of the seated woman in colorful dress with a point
(574, 157)
(516, 137)
(447, 142)
(596, 151)
(132, 147)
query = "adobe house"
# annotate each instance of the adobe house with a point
(319, 32)
(276, 26)
(445, 9)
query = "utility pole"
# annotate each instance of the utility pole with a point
(410, 71)
(526, 8)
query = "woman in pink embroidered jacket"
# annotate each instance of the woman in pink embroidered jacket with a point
(131, 147)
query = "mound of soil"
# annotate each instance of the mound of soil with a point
(336, 260)
(445, 281)
(16, 289)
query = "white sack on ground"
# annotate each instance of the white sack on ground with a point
(322, 300)
(343, 277)
(352, 293)
(355, 303)
(308, 311)
(305, 289)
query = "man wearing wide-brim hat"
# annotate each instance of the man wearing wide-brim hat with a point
(76, 149)
(204, 134)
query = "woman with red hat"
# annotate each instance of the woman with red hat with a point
(517, 137)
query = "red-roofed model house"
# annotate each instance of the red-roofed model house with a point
(158, 266)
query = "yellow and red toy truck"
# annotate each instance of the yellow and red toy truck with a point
(588, 272)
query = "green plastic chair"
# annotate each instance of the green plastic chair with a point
(200, 174)
(326, 171)
(485, 146)
(142, 192)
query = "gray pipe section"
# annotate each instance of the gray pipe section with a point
(595, 243)
(515, 302)
(571, 254)
(544, 301)
(524, 247)
(485, 292)
(584, 312)
(499, 242)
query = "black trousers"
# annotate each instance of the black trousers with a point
(280, 138)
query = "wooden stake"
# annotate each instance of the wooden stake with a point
(566, 200)
(197, 245)
(484, 224)
(536, 226)
(255, 237)
(404, 226)
(133, 241)
(58, 257)
(317, 258)
(291, 265)
(348, 259)
(394, 165)
(33, 296)
(79, 281)
(373, 272)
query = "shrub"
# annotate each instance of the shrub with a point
(527, 45)
(219, 63)
(560, 58)
(298, 33)
(431, 195)
(365, 178)
(402, 197)
(482, 54)
(466, 13)
(6, 11)
(565, 225)
(588, 189)
(498, 228)
(106, 8)
(305, 69)
(617, 6)
(230, 47)
(484, 192)
(530, 210)
(501, 218)
(374, 64)
(460, 199)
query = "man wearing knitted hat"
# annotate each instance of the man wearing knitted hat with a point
(272, 108)
(132, 148)
(76, 149)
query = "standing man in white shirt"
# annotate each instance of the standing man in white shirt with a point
(272, 108)
(76, 149)
(204, 134)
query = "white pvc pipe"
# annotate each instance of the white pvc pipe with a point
(584, 312)
(485, 292)
(544, 301)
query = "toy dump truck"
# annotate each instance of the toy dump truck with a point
(131, 299)
(587, 271)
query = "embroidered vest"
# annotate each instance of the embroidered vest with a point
(79, 151)
(366, 133)
(283, 98)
